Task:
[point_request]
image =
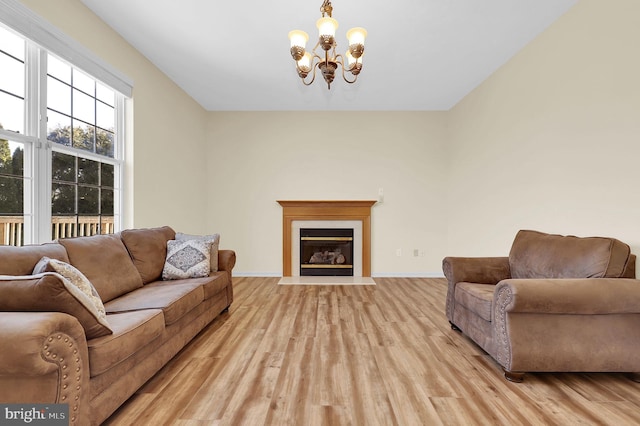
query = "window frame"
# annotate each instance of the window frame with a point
(37, 149)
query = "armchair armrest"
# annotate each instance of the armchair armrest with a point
(44, 359)
(482, 270)
(550, 324)
(583, 296)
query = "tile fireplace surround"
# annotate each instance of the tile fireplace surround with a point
(331, 211)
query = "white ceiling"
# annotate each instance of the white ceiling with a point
(420, 54)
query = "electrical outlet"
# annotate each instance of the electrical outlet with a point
(416, 252)
(398, 252)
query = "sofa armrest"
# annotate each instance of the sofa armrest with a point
(583, 296)
(226, 260)
(44, 359)
(482, 270)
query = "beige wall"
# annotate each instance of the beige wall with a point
(551, 141)
(169, 126)
(262, 157)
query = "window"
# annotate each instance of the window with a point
(61, 135)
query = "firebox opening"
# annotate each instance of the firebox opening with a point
(326, 252)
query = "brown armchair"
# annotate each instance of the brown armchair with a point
(556, 303)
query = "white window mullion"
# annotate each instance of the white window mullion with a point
(42, 155)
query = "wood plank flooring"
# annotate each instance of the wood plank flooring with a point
(359, 355)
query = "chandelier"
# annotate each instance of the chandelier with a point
(307, 62)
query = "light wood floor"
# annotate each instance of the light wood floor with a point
(359, 355)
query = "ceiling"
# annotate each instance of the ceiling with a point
(420, 54)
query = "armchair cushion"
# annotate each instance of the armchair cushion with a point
(539, 255)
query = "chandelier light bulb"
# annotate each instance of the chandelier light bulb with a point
(327, 27)
(356, 35)
(298, 38)
(305, 62)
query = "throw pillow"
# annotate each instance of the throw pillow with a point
(213, 239)
(88, 295)
(186, 259)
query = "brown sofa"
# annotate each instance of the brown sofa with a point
(54, 351)
(556, 303)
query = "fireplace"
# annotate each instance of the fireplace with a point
(350, 214)
(326, 252)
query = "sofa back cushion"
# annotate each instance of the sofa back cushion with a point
(21, 260)
(104, 260)
(148, 250)
(539, 255)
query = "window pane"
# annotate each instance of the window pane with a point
(105, 116)
(58, 128)
(11, 193)
(88, 200)
(84, 107)
(105, 94)
(63, 199)
(12, 76)
(106, 177)
(11, 196)
(58, 69)
(11, 43)
(63, 167)
(83, 136)
(11, 113)
(104, 143)
(84, 82)
(106, 202)
(88, 171)
(58, 96)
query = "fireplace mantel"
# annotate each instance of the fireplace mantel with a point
(359, 210)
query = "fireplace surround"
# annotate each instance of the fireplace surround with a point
(354, 214)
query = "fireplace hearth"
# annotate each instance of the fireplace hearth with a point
(326, 252)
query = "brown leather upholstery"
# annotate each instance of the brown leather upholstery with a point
(104, 260)
(552, 302)
(148, 250)
(150, 323)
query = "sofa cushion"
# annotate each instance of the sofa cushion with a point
(213, 240)
(175, 300)
(104, 260)
(539, 255)
(476, 297)
(131, 331)
(187, 259)
(148, 250)
(51, 292)
(21, 260)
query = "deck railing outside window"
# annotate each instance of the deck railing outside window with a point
(12, 227)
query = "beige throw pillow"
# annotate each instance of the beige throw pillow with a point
(81, 289)
(186, 259)
(213, 240)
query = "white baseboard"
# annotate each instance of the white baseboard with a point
(374, 274)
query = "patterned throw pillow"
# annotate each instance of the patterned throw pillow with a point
(186, 259)
(213, 240)
(74, 279)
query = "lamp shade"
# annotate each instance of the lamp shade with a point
(327, 27)
(305, 62)
(356, 35)
(298, 38)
